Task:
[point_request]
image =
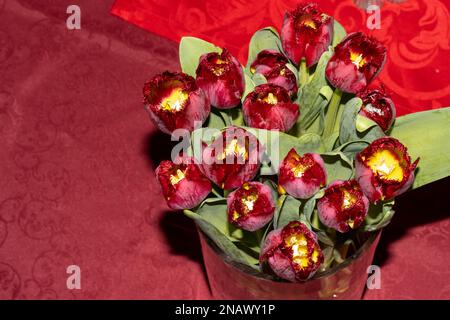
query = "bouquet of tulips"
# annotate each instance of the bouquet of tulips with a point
(287, 162)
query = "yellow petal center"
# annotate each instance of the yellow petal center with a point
(270, 99)
(299, 169)
(177, 177)
(234, 148)
(351, 223)
(307, 21)
(175, 101)
(349, 199)
(315, 256)
(357, 59)
(249, 202)
(219, 67)
(298, 244)
(386, 165)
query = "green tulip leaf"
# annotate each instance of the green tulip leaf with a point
(324, 238)
(259, 79)
(308, 209)
(354, 127)
(339, 33)
(379, 216)
(364, 123)
(278, 208)
(347, 131)
(426, 135)
(215, 120)
(331, 141)
(249, 86)
(215, 212)
(190, 51)
(266, 38)
(338, 166)
(293, 69)
(350, 149)
(290, 211)
(315, 95)
(237, 116)
(223, 242)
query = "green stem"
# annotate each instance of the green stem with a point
(303, 73)
(315, 221)
(226, 118)
(216, 192)
(333, 109)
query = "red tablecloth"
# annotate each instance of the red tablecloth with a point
(77, 156)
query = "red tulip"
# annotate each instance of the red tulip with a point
(272, 65)
(292, 252)
(356, 61)
(174, 101)
(233, 158)
(378, 107)
(307, 32)
(301, 176)
(270, 107)
(384, 169)
(344, 206)
(183, 185)
(251, 206)
(222, 79)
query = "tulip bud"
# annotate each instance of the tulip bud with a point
(343, 206)
(232, 158)
(183, 185)
(356, 61)
(251, 206)
(307, 32)
(384, 169)
(301, 177)
(378, 107)
(174, 101)
(270, 107)
(292, 252)
(221, 78)
(272, 65)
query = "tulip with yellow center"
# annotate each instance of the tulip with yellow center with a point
(270, 107)
(251, 206)
(301, 176)
(357, 59)
(343, 206)
(233, 158)
(384, 169)
(272, 65)
(182, 183)
(292, 252)
(385, 164)
(175, 101)
(355, 62)
(306, 33)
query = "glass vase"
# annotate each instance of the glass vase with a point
(231, 280)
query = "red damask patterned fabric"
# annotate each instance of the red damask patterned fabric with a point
(416, 33)
(77, 154)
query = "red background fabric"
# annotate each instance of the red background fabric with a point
(77, 155)
(416, 33)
